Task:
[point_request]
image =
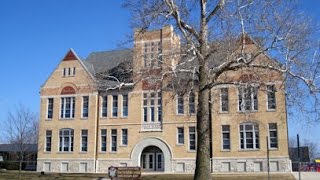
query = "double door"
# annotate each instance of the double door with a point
(152, 161)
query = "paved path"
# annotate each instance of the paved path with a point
(307, 175)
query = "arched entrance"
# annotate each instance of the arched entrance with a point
(152, 145)
(152, 159)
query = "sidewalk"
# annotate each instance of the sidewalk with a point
(307, 175)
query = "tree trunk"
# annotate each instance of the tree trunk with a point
(203, 171)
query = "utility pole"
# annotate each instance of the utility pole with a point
(298, 144)
(268, 158)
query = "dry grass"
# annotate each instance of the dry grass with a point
(13, 175)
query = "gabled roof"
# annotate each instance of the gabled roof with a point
(107, 60)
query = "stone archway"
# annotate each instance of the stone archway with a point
(152, 141)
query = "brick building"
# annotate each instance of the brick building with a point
(84, 128)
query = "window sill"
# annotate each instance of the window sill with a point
(225, 150)
(271, 110)
(84, 118)
(113, 152)
(180, 114)
(103, 118)
(273, 149)
(83, 152)
(46, 152)
(246, 150)
(224, 112)
(123, 145)
(248, 111)
(66, 119)
(177, 144)
(48, 119)
(102, 152)
(59, 152)
(191, 151)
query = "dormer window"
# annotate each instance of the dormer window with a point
(151, 54)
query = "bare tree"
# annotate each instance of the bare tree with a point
(21, 129)
(313, 149)
(216, 39)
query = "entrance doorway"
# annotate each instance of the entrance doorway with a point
(152, 159)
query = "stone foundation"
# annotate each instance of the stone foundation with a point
(251, 165)
(66, 165)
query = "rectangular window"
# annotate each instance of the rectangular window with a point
(103, 140)
(151, 54)
(273, 135)
(67, 107)
(180, 105)
(145, 107)
(66, 140)
(225, 137)
(114, 106)
(84, 140)
(113, 140)
(271, 96)
(192, 107)
(69, 71)
(104, 111)
(125, 105)
(64, 72)
(50, 108)
(159, 106)
(74, 71)
(152, 107)
(152, 111)
(248, 98)
(192, 138)
(180, 135)
(48, 140)
(124, 137)
(85, 106)
(249, 136)
(224, 98)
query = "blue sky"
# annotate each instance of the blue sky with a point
(36, 34)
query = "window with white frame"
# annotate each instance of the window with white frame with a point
(115, 106)
(48, 140)
(125, 105)
(271, 97)
(103, 134)
(66, 140)
(192, 106)
(85, 106)
(224, 99)
(249, 136)
(180, 135)
(84, 140)
(74, 71)
(159, 105)
(226, 137)
(248, 98)
(192, 138)
(67, 107)
(124, 137)
(113, 140)
(50, 108)
(104, 110)
(151, 54)
(273, 135)
(152, 107)
(180, 104)
(69, 71)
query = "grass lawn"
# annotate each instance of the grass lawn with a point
(14, 175)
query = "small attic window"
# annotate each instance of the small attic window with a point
(67, 72)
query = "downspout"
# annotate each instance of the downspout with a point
(97, 134)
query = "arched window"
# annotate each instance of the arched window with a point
(249, 136)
